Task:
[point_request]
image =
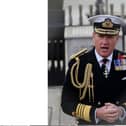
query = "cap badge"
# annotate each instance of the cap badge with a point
(107, 23)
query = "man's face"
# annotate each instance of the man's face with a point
(104, 44)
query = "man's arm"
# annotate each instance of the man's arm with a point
(71, 103)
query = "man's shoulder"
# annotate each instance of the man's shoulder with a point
(79, 53)
(80, 57)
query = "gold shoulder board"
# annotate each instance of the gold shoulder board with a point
(81, 52)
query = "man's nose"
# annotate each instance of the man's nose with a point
(105, 39)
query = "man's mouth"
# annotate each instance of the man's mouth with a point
(104, 48)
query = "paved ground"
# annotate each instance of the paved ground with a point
(55, 114)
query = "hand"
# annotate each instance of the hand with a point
(119, 110)
(109, 112)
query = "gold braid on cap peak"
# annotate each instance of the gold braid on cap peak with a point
(87, 83)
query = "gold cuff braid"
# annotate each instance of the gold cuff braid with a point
(83, 112)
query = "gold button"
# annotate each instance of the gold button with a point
(99, 103)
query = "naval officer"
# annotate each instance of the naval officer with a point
(94, 89)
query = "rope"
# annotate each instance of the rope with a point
(87, 82)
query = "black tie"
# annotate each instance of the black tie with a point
(104, 68)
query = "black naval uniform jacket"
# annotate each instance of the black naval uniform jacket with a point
(112, 89)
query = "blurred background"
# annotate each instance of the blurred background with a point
(68, 32)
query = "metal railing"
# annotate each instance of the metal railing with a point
(56, 63)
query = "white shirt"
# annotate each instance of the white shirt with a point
(100, 58)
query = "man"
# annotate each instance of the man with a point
(94, 89)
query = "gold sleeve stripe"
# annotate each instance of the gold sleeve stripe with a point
(87, 113)
(83, 112)
(79, 110)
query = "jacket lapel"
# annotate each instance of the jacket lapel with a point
(115, 56)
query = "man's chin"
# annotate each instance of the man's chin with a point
(104, 54)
